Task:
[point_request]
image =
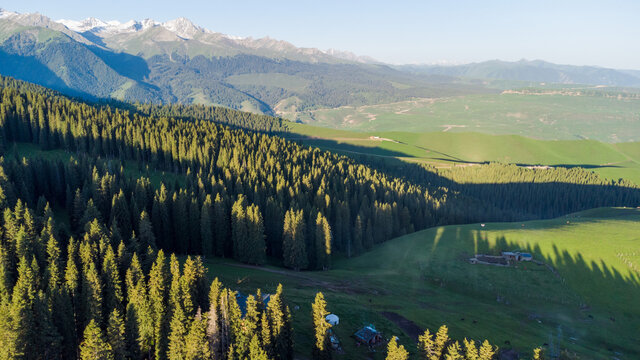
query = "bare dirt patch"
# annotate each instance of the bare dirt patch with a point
(408, 326)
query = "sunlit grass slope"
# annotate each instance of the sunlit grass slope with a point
(587, 303)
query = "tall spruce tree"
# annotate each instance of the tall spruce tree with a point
(93, 346)
(294, 240)
(323, 242)
(322, 344)
(395, 351)
(206, 228)
(116, 335)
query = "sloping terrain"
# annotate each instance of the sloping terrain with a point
(178, 61)
(537, 71)
(583, 300)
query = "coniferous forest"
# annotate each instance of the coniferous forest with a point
(88, 251)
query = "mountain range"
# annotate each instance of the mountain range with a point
(533, 71)
(178, 61)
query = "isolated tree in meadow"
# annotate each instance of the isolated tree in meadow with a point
(395, 351)
(322, 345)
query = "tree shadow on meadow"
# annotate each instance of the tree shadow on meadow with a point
(583, 300)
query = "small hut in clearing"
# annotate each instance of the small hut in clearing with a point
(368, 335)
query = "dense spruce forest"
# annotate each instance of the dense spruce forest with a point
(87, 264)
(251, 195)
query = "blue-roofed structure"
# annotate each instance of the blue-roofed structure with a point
(368, 335)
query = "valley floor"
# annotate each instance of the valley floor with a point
(423, 280)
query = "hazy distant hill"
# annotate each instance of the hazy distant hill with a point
(178, 61)
(537, 70)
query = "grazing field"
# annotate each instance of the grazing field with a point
(445, 149)
(586, 300)
(540, 116)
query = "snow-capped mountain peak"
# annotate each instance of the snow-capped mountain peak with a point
(100, 27)
(87, 24)
(6, 14)
(182, 27)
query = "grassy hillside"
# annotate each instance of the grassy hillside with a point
(446, 149)
(542, 116)
(588, 305)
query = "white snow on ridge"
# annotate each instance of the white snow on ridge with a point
(111, 27)
(6, 14)
(183, 27)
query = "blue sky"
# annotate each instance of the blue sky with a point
(604, 33)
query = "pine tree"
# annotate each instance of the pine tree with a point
(177, 334)
(256, 238)
(294, 241)
(454, 352)
(48, 339)
(145, 232)
(239, 230)
(487, 351)
(265, 334)
(538, 354)
(221, 226)
(427, 347)
(323, 242)
(91, 295)
(440, 343)
(255, 351)
(120, 213)
(158, 301)
(112, 284)
(116, 335)
(395, 352)
(322, 345)
(206, 228)
(196, 345)
(280, 322)
(213, 321)
(93, 346)
(470, 350)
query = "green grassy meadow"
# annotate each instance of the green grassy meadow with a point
(540, 116)
(588, 305)
(446, 149)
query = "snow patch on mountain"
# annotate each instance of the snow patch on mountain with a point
(105, 28)
(183, 27)
(4, 14)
